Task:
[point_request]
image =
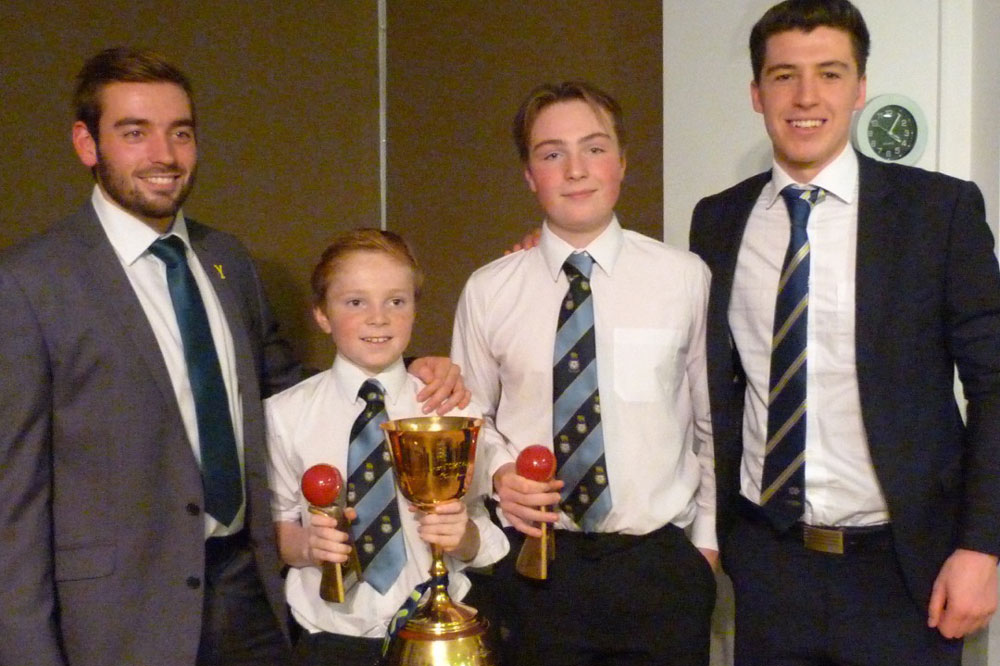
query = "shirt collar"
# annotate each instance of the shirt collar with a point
(604, 249)
(349, 378)
(130, 236)
(839, 178)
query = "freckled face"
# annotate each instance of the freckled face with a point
(808, 90)
(369, 309)
(575, 168)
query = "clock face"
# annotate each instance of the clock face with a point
(892, 132)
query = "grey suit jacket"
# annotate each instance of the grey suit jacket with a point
(101, 530)
(927, 301)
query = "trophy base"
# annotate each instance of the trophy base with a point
(453, 635)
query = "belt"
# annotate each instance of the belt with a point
(821, 538)
(219, 550)
(597, 545)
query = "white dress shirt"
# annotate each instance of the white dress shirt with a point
(841, 487)
(649, 310)
(310, 423)
(131, 238)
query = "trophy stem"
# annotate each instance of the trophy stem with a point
(438, 568)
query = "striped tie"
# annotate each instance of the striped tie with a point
(371, 490)
(783, 483)
(576, 412)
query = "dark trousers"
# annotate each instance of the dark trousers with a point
(323, 649)
(799, 607)
(238, 625)
(610, 599)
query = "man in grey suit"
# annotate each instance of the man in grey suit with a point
(112, 546)
(875, 541)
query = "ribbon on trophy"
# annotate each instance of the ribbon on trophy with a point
(398, 620)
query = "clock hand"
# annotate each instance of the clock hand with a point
(888, 132)
(892, 133)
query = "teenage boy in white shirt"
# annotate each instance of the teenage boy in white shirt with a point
(628, 585)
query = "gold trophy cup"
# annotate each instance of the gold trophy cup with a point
(432, 457)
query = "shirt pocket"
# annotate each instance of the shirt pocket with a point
(646, 361)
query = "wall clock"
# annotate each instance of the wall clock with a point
(891, 128)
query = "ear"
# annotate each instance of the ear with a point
(84, 144)
(321, 320)
(862, 93)
(530, 179)
(624, 162)
(755, 97)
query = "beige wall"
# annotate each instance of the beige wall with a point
(287, 100)
(283, 94)
(457, 72)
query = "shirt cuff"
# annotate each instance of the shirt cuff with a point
(493, 544)
(703, 533)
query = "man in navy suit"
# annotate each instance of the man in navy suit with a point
(110, 552)
(891, 554)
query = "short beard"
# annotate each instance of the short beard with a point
(119, 190)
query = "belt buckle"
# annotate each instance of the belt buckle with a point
(823, 539)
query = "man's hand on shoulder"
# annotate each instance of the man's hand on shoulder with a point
(444, 390)
(530, 240)
(964, 596)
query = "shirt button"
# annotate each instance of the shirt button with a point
(192, 509)
(193, 582)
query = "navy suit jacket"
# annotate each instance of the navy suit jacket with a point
(927, 301)
(101, 525)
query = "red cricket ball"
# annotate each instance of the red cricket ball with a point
(321, 484)
(536, 462)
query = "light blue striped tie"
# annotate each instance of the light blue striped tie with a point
(576, 413)
(371, 490)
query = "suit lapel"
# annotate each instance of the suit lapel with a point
(214, 262)
(734, 218)
(118, 302)
(877, 221)
(737, 215)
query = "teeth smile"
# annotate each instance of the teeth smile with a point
(806, 124)
(381, 339)
(160, 180)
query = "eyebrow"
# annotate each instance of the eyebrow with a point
(560, 142)
(142, 122)
(839, 64)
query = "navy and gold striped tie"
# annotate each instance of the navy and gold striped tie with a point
(371, 490)
(576, 412)
(783, 484)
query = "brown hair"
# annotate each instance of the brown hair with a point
(121, 64)
(807, 15)
(548, 94)
(362, 240)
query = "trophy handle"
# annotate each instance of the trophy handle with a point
(536, 553)
(331, 587)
